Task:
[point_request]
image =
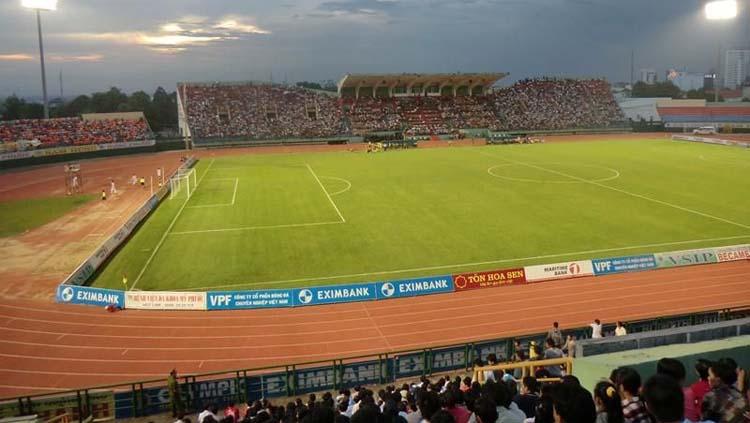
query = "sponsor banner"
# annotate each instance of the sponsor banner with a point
(156, 400)
(737, 252)
(413, 287)
(128, 144)
(323, 378)
(623, 264)
(335, 294)
(490, 279)
(164, 300)
(570, 269)
(72, 294)
(58, 151)
(229, 300)
(16, 155)
(102, 406)
(685, 258)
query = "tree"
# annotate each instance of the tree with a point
(108, 102)
(659, 89)
(16, 108)
(79, 105)
(163, 111)
(139, 101)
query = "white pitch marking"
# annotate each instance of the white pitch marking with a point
(346, 181)
(632, 194)
(481, 263)
(255, 228)
(326, 192)
(171, 224)
(234, 195)
(615, 174)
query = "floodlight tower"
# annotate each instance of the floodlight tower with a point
(38, 6)
(719, 10)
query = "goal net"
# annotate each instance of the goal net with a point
(183, 184)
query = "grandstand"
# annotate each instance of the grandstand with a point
(437, 105)
(718, 116)
(93, 128)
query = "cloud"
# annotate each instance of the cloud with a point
(356, 9)
(179, 35)
(80, 58)
(16, 57)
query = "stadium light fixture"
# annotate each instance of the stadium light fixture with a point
(720, 9)
(38, 6)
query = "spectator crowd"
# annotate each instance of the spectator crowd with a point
(718, 396)
(270, 111)
(74, 131)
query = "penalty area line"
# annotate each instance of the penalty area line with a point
(255, 228)
(326, 192)
(169, 228)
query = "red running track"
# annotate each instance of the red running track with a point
(46, 347)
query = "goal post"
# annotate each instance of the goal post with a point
(183, 184)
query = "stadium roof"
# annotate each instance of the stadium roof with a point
(391, 80)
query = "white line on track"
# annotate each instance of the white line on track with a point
(480, 263)
(465, 328)
(326, 192)
(256, 228)
(169, 228)
(632, 194)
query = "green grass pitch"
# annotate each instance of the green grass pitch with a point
(22, 215)
(272, 221)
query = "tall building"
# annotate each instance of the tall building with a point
(736, 68)
(648, 76)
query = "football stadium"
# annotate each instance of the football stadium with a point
(382, 247)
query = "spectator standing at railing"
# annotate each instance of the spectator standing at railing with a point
(596, 329)
(550, 353)
(555, 334)
(175, 396)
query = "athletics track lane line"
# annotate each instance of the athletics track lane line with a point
(636, 312)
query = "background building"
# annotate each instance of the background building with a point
(648, 76)
(736, 68)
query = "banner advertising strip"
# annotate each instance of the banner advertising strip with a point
(414, 287)
(623, 264)
(335, 294)
(737, 252)
(161, 300)
(250, 299)
(59, 151)
(570, 269)
(490, 279)
(685, 258)
(102, 405)
(72, 294)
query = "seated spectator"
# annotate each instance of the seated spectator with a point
(628, 385)
(528, 398)
(442, 416)
(485, 411)
(608, 403)
(452, 403)
(723, 402)
(674, 369)
(663, 396)
(620, 330)
(701, 386)
(573, 404)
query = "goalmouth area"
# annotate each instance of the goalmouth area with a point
(298, 220)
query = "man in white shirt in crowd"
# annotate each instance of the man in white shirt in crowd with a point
(596, 329)
(620, 330)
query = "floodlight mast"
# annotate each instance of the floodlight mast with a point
(38, 6)
(719, 10)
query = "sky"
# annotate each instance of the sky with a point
(142, 44)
